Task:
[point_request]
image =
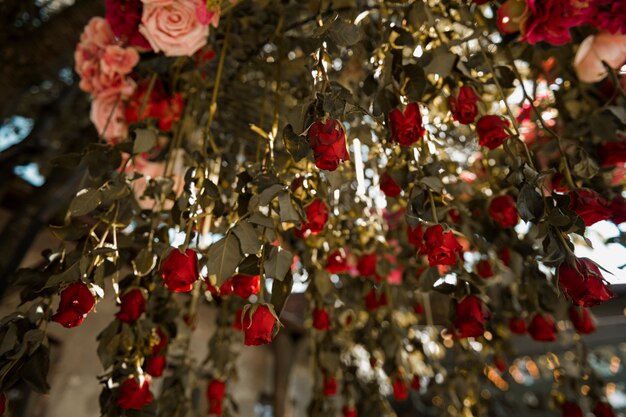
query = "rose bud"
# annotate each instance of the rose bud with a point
(416, 383)
(418, 308)
(612, 153)
(517, 325)
(216, 390)
(76, 302)
(582, 320)
(180, 270)
(389, 186)
(373, 300)
(571, 410)
(330, 386)
(504, 211)
(583, 283)
(500, 363)
(416, 236)
(336, 263)
(400, 389)
(491, 131)
(328, 141)
(321, 319)
(406, 127)
(133, 397)
(155, 366)
(463, 107)
(542, 328)
(258, 326)
(505, 256)
(510, 16)
(316, 218)
(455, 216)
(470, 317)
(589, 206)
(441, 247)
(162, 341)
(242, 285)
(133, 305)
(603, 409)
(349, 411)
(483, 269)
(215, 408)
(366, 264)
(618, 209)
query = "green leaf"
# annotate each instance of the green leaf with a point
(416, 81)
(505, 76)
(278, 263)
(223, 258)
(144, 263)
(86, 201)
(442, 63)
(261, 220)
(288, 212)
(248, 238)
(269, 193)
(9, 340)
(343, 33)
(71, 274)
(35, 370)
(529, 204)
(297, 146)
(145, 140)
(280, 292)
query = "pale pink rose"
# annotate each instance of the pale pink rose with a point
(97, 33)
(595, 49)
(118, 59)
(107, 115)
(172, 27)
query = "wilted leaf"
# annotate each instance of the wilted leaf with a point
(288, 212)
(529, 204)
(278, 263)
(145, 139)
(86, 201)
(280, 292)
(144, 263)
(35, 370)
(223, 258)
(248, 238)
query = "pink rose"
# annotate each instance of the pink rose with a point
(551, 20)
(173, 27)
(97, 33)
(118, 59)
(107, 115)
(595, 49)
(206, 16)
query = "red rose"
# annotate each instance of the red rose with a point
(551, 20)
(216, 390)
(328, 141)
(609, 16)
(124, 17)
(612, 153)
(416, 383)
(491, 131)
(582, 320)
(406, 127)
(416, 236)
(500, 363)
(584, 283)
(542, 328)
(258, 327)
(180, 270)
(349, 411)
(442, 248)
(3, 404)
(162, 343)
(76, 302)
(504, 211)
(389, 186)
(366, 264)
(400, 389)
(330, 386)
(618, 209)
(241, 285)
(517, 325)
(373, 300)
(479, 2)
(505, 256)
(463, 107)
(155, 366)
(316, 218)
(589, 206)
(571, 410)
(483, 269)
(321, 319)
(336, 263)
(160, 106)
(133, 305)
(133, 397)
(470, 317)
(455, 216)
(418, 309)
(603, 409)
(215, 408)
(510, 16)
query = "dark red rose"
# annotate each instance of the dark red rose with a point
(389, 186)
(76, 302)
(180, 270)
(241, 285)
(551, 20)
(418, 308)
(400, 389)
(336, 263)
(583, 283)
(159, 105)
(500, 363)
(349, 411)
(316, 218)
(215, 408)
(373, 300)
(618, 209)
(609, 16)
(216, 390)
(416, 383)
(124, 17)
(3, 404)
(542, 328)
(504, 211)
(406, 127)
(603, 409)
(491, 131)
(470, 317)
(366, 264)
(517, 325)
(131, 396)
(509, 20)
(571, 410)
(589, 206)
(483, 269)
(330, 386)
(328, 141)
(258, 327)
(238, 323)
(321, 319)
(156, 365)
(442, 247)
(558, 183)
(133, 305)
(455, 216)
(416, 236)
(479, 2)
(582, 320)
(162, 342)
(463, 107)
(505, 256)
(612, 153)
